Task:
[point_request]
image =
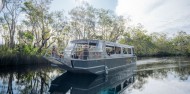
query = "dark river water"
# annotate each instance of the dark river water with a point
(169, 75)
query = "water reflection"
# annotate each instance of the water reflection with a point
(181, 74)
(166, 76)
(27, 79)
(162, 78)
(91, 84)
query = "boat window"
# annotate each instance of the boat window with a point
(129, 51)
(133, 50)
(125, 83)
(99, 45)
(118, 88)
(87, 50)
(118, 50)
(82, 50)
(81, 46)
(124, 50)
(110, 49)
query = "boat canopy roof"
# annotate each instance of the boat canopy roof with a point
(117, 44)
(85, 41)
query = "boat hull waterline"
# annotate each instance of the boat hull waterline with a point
(95, 66)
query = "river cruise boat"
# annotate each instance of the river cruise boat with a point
(94, 56)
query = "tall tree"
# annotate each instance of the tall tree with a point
(83, 20)
(109, 25)
(46, 27)
(104, 22)
(60, 29)
(181, 43)
(11, 13)
(40, 20)
(93, 23)
(4, 34)
(2, 3)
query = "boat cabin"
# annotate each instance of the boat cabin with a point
(96, 49)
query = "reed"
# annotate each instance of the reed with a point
(11, 60)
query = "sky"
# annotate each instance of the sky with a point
(67, 5)
(168, 16)
(165, 16)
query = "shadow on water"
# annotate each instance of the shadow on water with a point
(43, 79)
(91, 84)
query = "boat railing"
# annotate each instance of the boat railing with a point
(58, 55)
(92, 55)
(77, 55)
(87, 55)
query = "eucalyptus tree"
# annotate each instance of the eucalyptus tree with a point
(188, 45)
(83, 21)
(88, 22)
(25, 37)
(39, 19)
(118, 28)
(126, 38)
(2, 3)
(140, 40)
(182, 43)
(104, 23)
(60, 29)
(10, 14)
(31, 20)
(163, 44)
(110, 26)
(138, 37)
(5, 34)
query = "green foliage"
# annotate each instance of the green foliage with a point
(6, 51)
(28, 50)
(93, 23)
(157, 44)
(25, 37)
(29, 35)
(18, 50)
(42, 28)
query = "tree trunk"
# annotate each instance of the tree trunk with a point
(10, 89)
(11, 44)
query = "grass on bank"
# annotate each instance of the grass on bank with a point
(21, 54)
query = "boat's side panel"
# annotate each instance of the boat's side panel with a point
(119, 62)
(91, 66)
(98, 66)
(87, 63)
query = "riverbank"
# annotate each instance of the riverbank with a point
(164, 55)
(20, 55)
(14, 60)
